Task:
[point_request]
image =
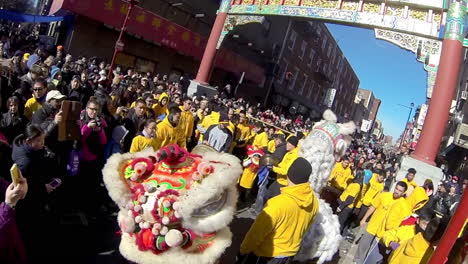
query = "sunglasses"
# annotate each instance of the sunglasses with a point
(37, 89)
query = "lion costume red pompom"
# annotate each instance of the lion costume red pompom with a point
(174, 206)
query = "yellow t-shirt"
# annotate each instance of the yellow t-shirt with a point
(340, 176)
(382, 204)
(352, 190)
(31, 106)
(140, 143)
(374, 189)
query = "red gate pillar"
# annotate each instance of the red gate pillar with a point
(208, 58)
(445, 85)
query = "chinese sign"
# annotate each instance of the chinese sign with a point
(159, 30)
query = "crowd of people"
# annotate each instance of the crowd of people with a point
(134, 111)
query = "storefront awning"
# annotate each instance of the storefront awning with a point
(159, 30)
(26, 18)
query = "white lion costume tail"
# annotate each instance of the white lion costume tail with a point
(327, 141)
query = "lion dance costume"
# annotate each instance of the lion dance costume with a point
(174, 206)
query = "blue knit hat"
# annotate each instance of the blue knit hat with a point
(53, 71)
(33, 59)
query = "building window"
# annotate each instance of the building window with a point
(324, 43)
(311, 57)
(311, 89)
(303, 49)
(304, 82)
(292, 83)
(283, 71)
(292, 39)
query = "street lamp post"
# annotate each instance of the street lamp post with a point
(119, 45)
(407, 121)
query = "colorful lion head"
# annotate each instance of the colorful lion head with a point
(174, 206)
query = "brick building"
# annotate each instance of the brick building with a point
(313, 72)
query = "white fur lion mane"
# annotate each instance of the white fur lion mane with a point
(327, 142)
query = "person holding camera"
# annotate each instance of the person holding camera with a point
(93, 137)
(93, 142)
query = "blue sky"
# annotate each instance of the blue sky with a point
(392, 73)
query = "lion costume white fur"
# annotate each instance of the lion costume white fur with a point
(327, 142)
(175, 207)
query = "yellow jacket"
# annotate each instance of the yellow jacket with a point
(184, 128)
(140, 143)
(243, 134)
(340, 176)
(282, 169)
(415, 201)
(352, 190)
(379, 222)
(414, 250)
(157, 108)
(375, 187)
(165, 133)
(401, 209)
(31, 106)
(399, 234)
(278, 229)
(261, 140)
(271, 146)
(209, 120)
(412, 183)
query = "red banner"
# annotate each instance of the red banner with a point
(160, 30)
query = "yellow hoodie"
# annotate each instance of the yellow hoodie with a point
(399, 234)
(261, 140)
(184, 128)
(401, 209)
(374, 188)
(157, 108)
(282, 169)
(209, 120)
(165, 133)
(340, 177)
(414, 250)
(31, 106)
(140, 143)
(279, 228)
(379, 222)
(271, 146)
(244, 134)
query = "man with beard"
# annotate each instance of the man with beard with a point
(166, 134)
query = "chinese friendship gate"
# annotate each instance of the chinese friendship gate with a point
(433, 29)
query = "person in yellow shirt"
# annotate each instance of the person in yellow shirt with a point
(161, 107)
(379, 209)
(184, 128)
(409, 179)
(165, 129)
(346, 202)
(147, 138)
(408, 228)
(282, 168)
(341, 175)
(261, 137)
(278, 229)
(244, 135)
(397, 212)
(420, 248)
(271, 147)
(339, 178)
(208, 121)
(35, 103)
(375, 187)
